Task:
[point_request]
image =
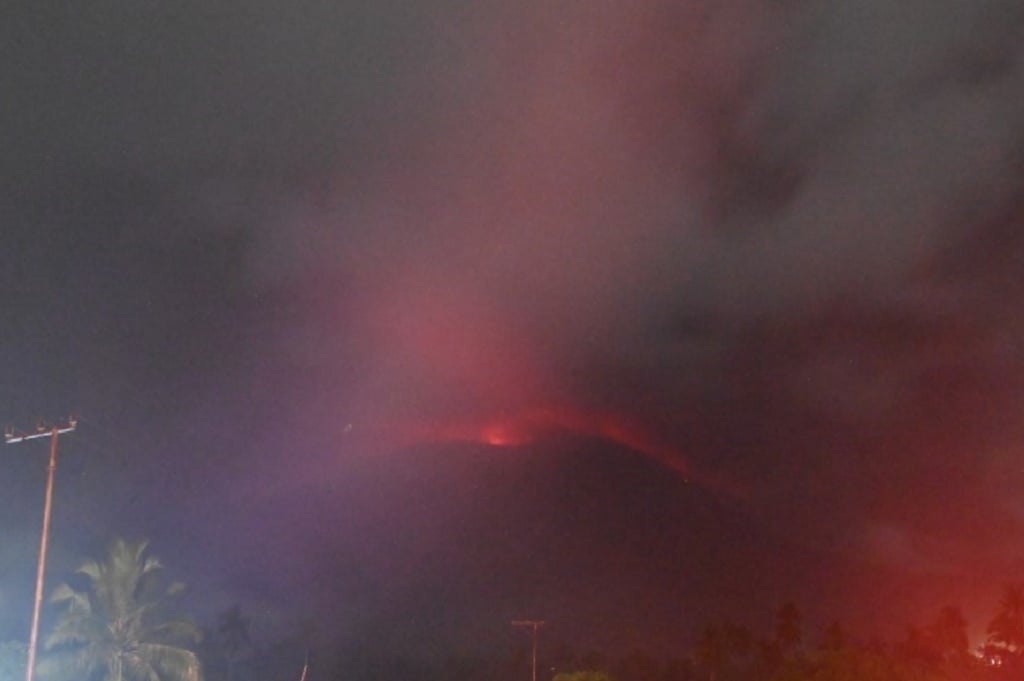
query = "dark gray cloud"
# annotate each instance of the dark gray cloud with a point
(778, 237)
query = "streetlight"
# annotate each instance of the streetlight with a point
(534, 625)
(11, 437)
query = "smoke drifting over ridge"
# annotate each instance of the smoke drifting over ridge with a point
(775, 245)
(614, 206)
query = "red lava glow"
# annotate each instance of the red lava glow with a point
(446, 341)
(523, 428)
(501, 435)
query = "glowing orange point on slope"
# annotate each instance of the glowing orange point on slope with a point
(501, 435)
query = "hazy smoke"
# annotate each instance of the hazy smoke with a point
(599, 202)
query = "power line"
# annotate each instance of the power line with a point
(12, 436)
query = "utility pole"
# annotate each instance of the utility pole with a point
(534, 625)
(11, 436)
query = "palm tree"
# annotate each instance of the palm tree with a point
(114, 628)
(1006, 630)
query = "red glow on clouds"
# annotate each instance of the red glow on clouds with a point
(516, 253)
(451, 368)
(456, 370)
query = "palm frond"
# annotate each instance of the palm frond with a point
(171, 662)
(173, 632)
(151, 565)
(78, 628)
(67, 665)
(76, 600)
(138, 668)
(90, 569)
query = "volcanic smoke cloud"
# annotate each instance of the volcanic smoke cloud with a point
(773, 245)
(703, 219)
(530, 255)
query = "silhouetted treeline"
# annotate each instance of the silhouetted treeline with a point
(790, 650)
(115, 617)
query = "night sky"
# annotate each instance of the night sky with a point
(396, 320)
